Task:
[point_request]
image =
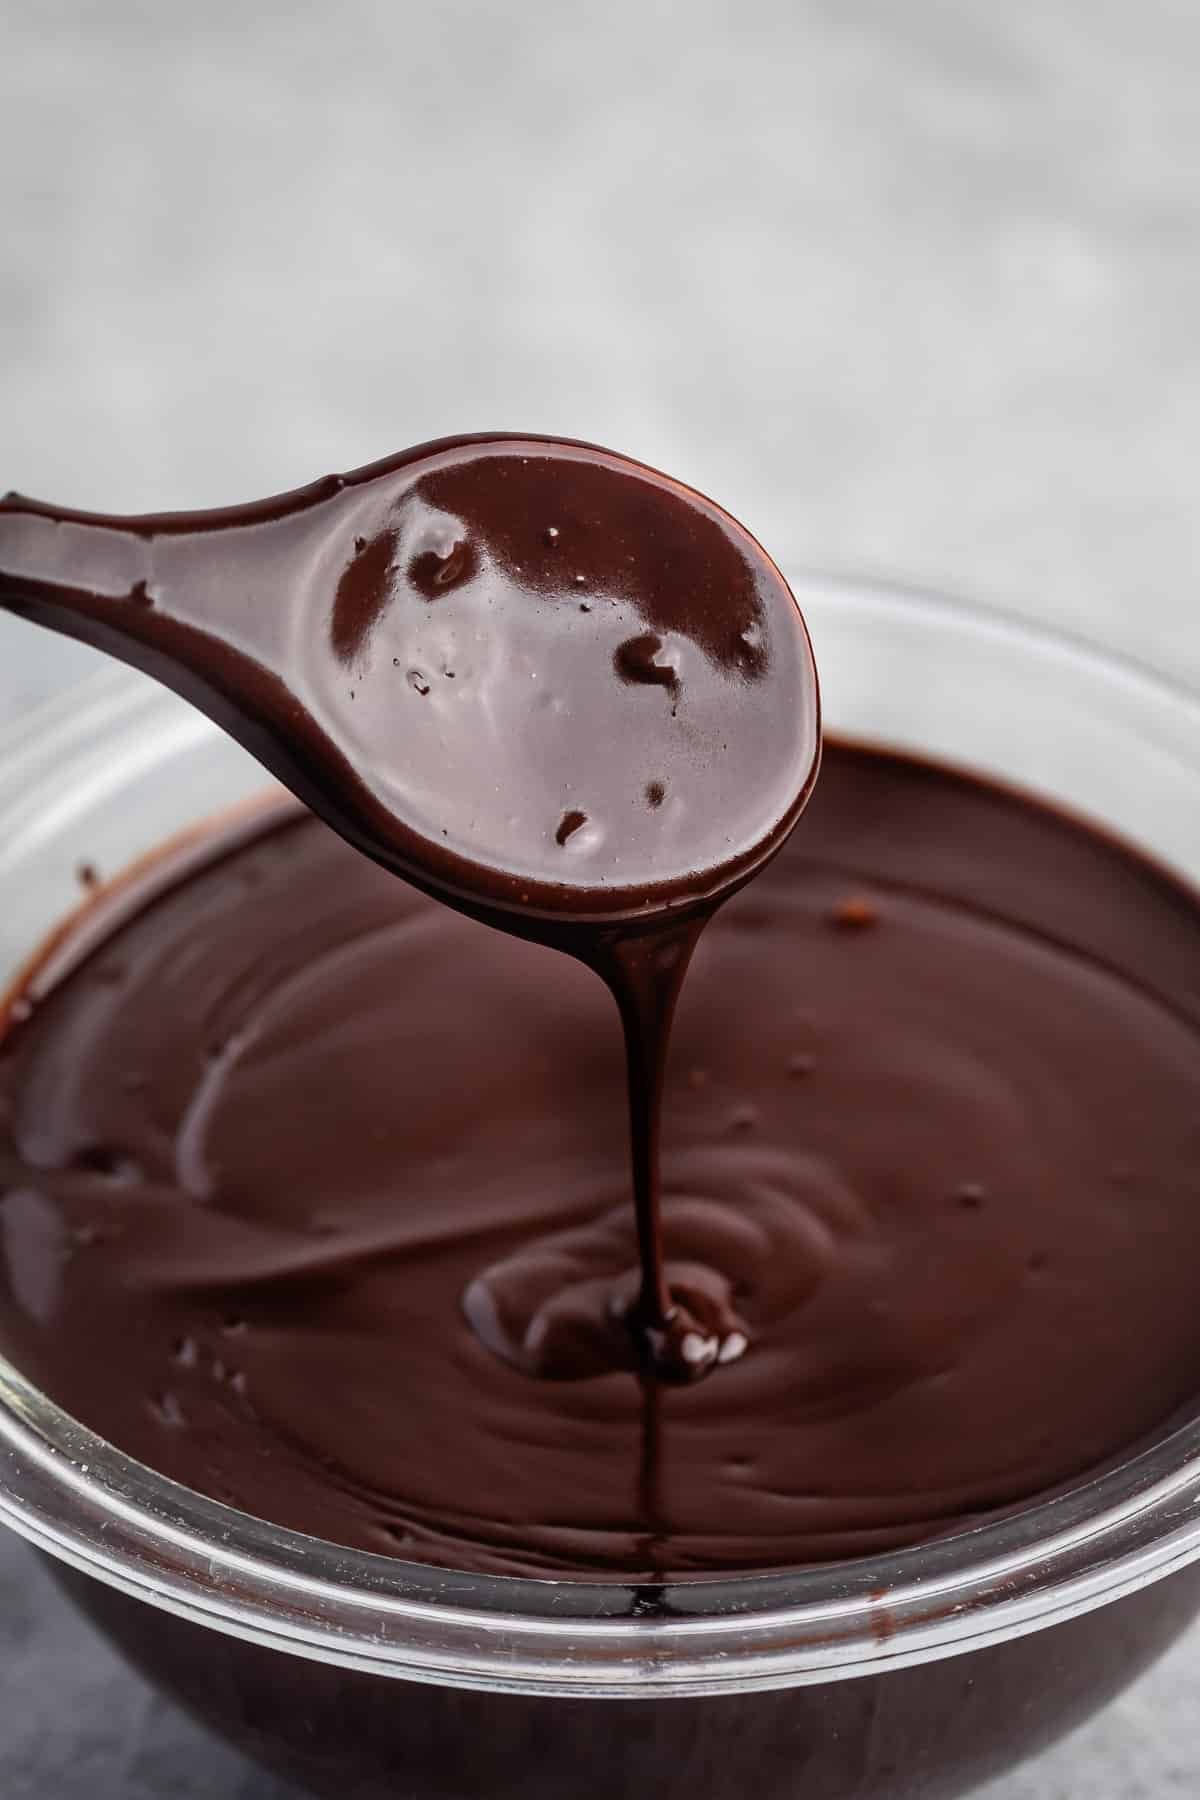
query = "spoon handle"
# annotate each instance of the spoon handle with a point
(199, 600)
(172, 595)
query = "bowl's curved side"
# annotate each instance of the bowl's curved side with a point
(906, 1734)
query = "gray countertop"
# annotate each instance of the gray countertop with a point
(913, 288)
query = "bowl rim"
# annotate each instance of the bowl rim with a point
(82, 1501)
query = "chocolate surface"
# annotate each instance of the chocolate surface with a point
(932, 1134)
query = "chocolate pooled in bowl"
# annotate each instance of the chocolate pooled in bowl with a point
(316, 1193)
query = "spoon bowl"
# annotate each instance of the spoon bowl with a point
(537, 678)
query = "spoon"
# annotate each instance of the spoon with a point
(558, 690)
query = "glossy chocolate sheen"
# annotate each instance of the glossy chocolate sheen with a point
(932, 1132)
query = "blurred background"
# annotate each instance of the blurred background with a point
(913, 288)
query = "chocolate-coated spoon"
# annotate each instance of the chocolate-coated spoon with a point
(551, 686)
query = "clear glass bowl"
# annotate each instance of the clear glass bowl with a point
(113, 768)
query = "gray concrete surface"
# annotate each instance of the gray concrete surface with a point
(912, 287)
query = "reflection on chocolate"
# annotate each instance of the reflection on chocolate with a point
(315, 1194)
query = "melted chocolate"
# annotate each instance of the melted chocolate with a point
(932, 1134)
(545, 683)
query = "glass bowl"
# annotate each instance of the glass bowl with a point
(906, 1675)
